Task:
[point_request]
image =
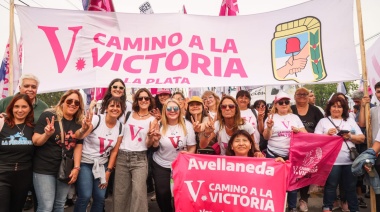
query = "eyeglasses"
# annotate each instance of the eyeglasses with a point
(260, 106)
(32, 86)
(70, 101)
(282, 102)
(116, 87)
(173, 108)
(231, 106)
(302, 95)
(146, 98)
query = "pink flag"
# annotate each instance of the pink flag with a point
(98, 5)
(229, 8)
(184, 9)
(312, 157)
(228, 183)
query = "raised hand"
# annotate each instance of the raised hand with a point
(196, 125)
(270, 122)
(49, 129)
(209, 128)
(154, 131)
(86, 122)
(156, 113)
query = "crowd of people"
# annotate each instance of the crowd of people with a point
(126, 145)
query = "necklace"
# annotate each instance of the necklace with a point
(230, 128)
(21, 131)
(338, 127)
(173, 129)
(141, 116)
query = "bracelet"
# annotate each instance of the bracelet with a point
(77, 168)
(109, 170)
(206, 136)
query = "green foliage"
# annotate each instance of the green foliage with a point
(51, 99)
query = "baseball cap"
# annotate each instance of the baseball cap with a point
(163, 91)
(281, 95)
(195, 99)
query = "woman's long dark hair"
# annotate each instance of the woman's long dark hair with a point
(258, 103)
(135, 104)
(109, 95)
(10, 119)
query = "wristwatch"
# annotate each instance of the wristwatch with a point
(109, 170)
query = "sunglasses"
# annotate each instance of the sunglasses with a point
(174, 108)
(231, 106)
(261, 106)
(284, 102)
(302, 95)
(146, 98)
(116, 87)
(70, 101)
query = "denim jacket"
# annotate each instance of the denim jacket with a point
(358, 170)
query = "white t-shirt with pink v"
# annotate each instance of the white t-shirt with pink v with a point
(135, 134)
(250, 118)
(279, 142)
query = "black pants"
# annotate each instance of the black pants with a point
(161, 178)
(14, 186)
(304, 193)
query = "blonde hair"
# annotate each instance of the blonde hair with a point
(274, 109)
(58, 109)
(217, 98)
(164, 120)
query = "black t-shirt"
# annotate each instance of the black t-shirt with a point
(311, 119)
(48, 156)
(16, 146)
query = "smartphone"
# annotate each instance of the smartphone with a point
(340, 133)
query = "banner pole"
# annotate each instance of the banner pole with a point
(365, 90)
(11, 44)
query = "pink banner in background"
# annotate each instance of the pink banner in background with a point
(312, 157)
(227, 183)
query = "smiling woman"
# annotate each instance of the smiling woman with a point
(16, 153)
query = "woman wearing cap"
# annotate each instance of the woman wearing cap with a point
(337, 119)
(227, 122)
(279, 126)
(130, 192)
(211, 102)
(243, 99)
(197, 115)
(177, 136)
(310, 116)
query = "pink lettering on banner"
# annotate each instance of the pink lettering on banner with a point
(197, 188)
(97, 38)
(102, 141)
(184, 60)
(127, 65)
(312, 157)
(133, 134)
(196, 41)
(60, 58)
(155, 60)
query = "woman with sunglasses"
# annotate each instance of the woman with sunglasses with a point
(101, 141)
(228, 121)
(181, 100)
(337, 119)
(51, 193)
(16, 153)
(279, 126)
(177, 136)
(140, 132)
(211, 102)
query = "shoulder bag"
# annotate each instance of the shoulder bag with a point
(67, 163)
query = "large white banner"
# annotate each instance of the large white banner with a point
(373, 64)
(308, 43)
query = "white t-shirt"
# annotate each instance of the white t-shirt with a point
(279, 142)
(223, 137)
(250, 118)
(135, 132)
(102, 140)
(324, 125)
(172, 143)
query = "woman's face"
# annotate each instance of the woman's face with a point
(180, 99)
(336, 110)
(172, 111)
(260, 107)
(228, 108)
(20, 109)
(113, 110)
(195, 108)
(71, 104)
(241, 145)
(163, 97)
(243, 102)
(143, 100)
(283, 106)
(209, 101)
(117, 89)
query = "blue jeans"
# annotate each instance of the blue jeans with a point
(130, 192)
(88, 187)
(292, 195)
(51, 193)
(341, 174)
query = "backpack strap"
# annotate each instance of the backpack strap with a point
(254, 113)
(127, 116)
(97, 125)
(120, 127)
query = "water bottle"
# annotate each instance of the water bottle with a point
(369, 165)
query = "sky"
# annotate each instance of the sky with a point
(370, 12)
